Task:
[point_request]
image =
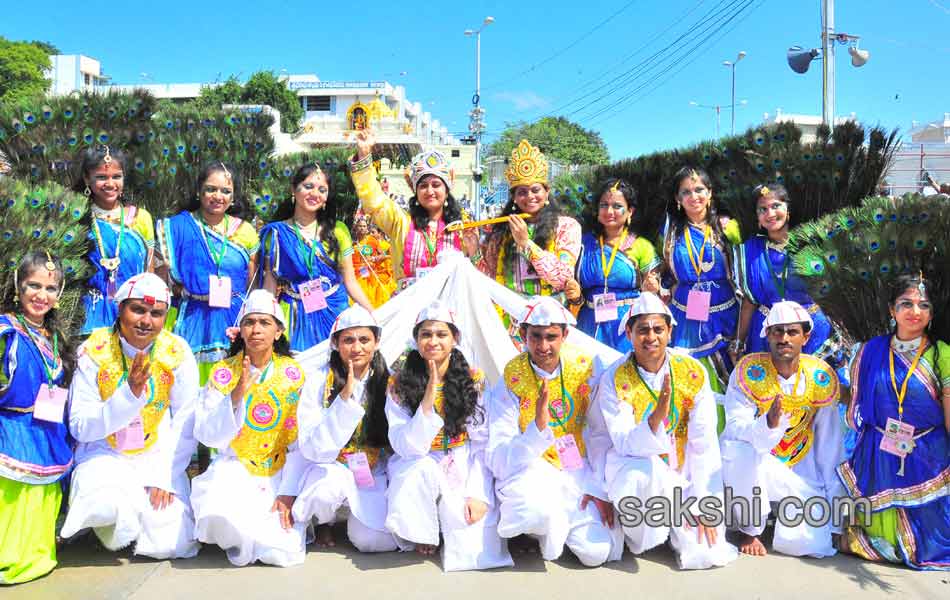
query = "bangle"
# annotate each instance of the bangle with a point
(475, 258)
(737, 346)
(577, 301)
(362, 163)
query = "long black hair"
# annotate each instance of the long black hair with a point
(30, 263)
(592, 224)
(450, 210)
(545, 226)
(901, 285)
(459, 394)
(326, 216)
(375, 426)
(193, 202)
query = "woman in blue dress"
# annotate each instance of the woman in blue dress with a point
(697, 255)
(36, 364)
(210, 255)
(613, 266)
(307, 260)
(122, 235)
(900, 408)
(764, 275)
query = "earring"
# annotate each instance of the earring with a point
(87, 192)
(893, 323)
(680, 206)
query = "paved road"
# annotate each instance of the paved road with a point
(86, 572)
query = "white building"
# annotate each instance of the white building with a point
(936, 132)
(807, 123)
(74, 72)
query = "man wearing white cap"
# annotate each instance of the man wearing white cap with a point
(344, 433)
(661, 416)
(783, 436)
(540, 450)
(132, 412)
(248, 411)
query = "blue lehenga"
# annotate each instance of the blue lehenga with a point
(184, 244)
(623, 281)
(137, 241)
(910, 499)
(761, 270)
(287, 255)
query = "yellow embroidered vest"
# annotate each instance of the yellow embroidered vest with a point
(105, 350)
(686, 378)
(568, 414)
(353, 446)
(270, 424)
(758, 380)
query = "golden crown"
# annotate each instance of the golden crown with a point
(527, 166)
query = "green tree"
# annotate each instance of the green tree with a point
(22, 70)
(263, 87)
(46, 47)
(559, 139)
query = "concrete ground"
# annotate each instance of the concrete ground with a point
(86, 571)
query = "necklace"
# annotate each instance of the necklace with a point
(111, 264)
(33, 323)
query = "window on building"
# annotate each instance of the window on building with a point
(318, 103)
(86, 78)
(456, 153)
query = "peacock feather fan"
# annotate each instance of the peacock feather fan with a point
(849, 259)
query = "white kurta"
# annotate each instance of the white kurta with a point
(232, 506)
(747, 442)
(328, 487)
(634, 467)
(538, 499)
(108, 488)
(423, 500)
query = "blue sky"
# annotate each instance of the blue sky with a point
(538, 58)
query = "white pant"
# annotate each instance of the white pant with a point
(651, 477)
(108, 494)
(743, 468)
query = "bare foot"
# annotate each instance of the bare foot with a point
(750, 544)
(324, 537)
(426, 549)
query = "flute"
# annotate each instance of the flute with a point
(457, 225)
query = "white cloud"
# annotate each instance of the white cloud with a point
(522, 100)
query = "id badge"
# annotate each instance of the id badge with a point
(567, 451)
(697, 305)
(359, 465)
(49, 404)
(311, 294)
(219, 291)
(451, 471)
(605, 307)
(132, 436)
(898, 438)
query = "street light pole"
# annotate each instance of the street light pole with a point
(732, 64)
(718, 109)
(828, 63)
(476, 125)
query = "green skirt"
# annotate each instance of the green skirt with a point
(27, 529)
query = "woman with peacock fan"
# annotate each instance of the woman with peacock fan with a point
(36, 365)
(419, 239)
(534, 255)
(764, 275)
(209, 254)
(900, 408)
(697, 252)
(614, 265)
(371, 262)
(122, 234)
(307, 259)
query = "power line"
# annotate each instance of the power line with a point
(573, 44)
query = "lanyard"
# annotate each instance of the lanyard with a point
(698, 266)
(779, 283)
(266, 370)
(113, 263)
(125, 364)
(432, 243)
(46, 367)
(217, 257)
(656, 399)
(608, 267)
(903, 390)
(309, 256)
(565, 395)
